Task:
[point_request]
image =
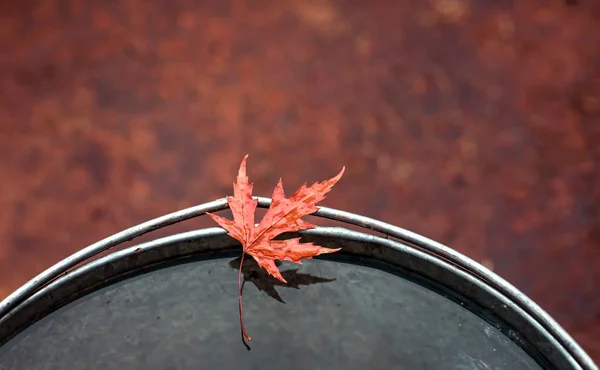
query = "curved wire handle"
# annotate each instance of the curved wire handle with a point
(431, 246)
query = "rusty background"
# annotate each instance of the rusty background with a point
(476, 123)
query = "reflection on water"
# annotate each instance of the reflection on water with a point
(258, 276)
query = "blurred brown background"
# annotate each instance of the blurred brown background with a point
(476, 123)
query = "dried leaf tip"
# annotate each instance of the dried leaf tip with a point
(242, 171)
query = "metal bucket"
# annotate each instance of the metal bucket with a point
(398, 301)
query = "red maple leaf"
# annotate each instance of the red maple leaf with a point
(284, 215)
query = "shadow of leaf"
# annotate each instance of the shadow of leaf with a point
(258, 276)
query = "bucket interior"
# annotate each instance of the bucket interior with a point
(173, 304)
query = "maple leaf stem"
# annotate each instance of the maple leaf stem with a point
(240, 298)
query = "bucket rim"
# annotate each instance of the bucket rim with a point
(358, 248)
(428, 245)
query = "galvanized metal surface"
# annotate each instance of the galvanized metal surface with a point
(136, 309)
(515, 298)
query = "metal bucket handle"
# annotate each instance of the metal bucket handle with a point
(428, 245)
